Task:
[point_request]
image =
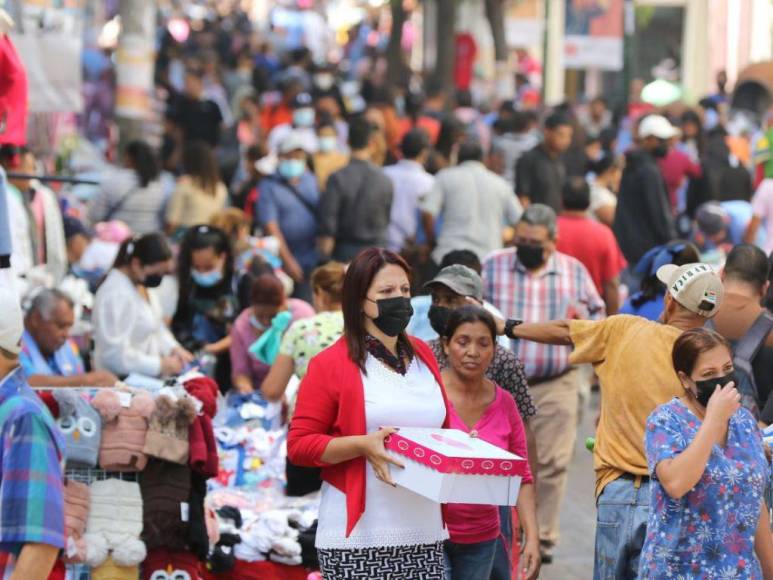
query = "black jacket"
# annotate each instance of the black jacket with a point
(643, 218)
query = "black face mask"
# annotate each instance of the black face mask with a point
(660, 151)
(153, 281)
(438, 318)
(704, 389)
(531, 256)
(394, 314)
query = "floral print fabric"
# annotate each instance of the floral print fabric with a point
(709, 532)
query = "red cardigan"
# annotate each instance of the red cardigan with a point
(331, 403)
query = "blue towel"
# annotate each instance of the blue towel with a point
(266, 348)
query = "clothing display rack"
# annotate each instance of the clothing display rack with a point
(52, 178)
(89, 475)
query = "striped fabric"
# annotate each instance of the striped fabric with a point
(31, 483)
(563, 289)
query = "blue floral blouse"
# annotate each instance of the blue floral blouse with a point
(709, 532)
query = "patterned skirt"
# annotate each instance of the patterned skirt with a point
(422, 562)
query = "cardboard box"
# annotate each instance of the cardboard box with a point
(449, 466)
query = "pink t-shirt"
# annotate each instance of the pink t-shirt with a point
(244, 334)
(762, 205)
(499, 425)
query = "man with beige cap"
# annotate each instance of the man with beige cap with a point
(31, 453)
(632, 358)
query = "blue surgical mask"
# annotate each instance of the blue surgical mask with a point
(291, 168)
(328, 144)
(303, 117)
(207, 279)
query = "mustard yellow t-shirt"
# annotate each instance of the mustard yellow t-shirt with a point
(632, 358)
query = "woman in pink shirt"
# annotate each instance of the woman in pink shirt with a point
(484, 410)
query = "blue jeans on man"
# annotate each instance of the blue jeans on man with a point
(621, 527)
(469, 561)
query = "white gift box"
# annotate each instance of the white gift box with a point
(449, 466)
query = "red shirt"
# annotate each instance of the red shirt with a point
(331, 403)
(466, 50)
(676, 167)
(13, 95)
(594, 245)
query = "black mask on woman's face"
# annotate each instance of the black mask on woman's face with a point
(704, 389)
(394, 314)
(153, 280)
(532, 256)
(438, 318)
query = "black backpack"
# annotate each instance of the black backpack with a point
(744, 353)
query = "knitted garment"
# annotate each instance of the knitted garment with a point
(167, 436)
(111, 571)
(115, 523)
(123, 429)
(166, 489)
(205, 390)
(76, 514)
(48, 399)
(81, 426)
(198, 538)
(203, 448)
(171, 565)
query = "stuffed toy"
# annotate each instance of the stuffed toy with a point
(109, 570)
(167, 565)
(125, 415)
(222, 558)
(81, 426)
(166, 489)
(115, 524)
(167, 436)
(76, 514)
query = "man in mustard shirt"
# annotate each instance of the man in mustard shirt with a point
(632, 358)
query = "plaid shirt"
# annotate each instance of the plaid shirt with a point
(563, 289)
(31, 471)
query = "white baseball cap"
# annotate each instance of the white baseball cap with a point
(657, 126)
(12, 319)
(696, 286)
(294, 141)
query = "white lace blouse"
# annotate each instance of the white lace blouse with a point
(394, 516)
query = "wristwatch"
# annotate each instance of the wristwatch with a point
(510, 325)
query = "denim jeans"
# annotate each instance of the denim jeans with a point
(621, 526)
(502, 566)
(469, 561)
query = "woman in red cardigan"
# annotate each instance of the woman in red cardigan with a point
(354, 394)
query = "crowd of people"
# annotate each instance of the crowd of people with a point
(418, 259)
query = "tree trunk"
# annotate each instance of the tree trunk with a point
(495, 14)
(397, 68)
(446, 47)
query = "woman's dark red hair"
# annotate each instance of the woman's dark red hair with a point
(359, 277)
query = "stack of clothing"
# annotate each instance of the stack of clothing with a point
(165, 444)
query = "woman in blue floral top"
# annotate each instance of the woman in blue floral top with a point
(705, 452)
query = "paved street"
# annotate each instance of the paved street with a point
(574, 556)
